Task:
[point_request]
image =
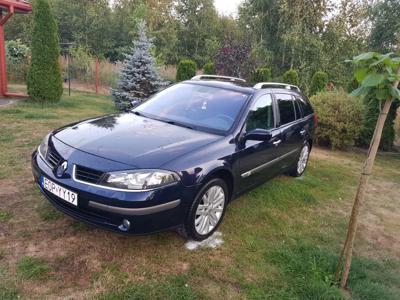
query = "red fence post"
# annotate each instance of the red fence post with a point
(3, 67)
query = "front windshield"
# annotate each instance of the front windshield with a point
(196, 106)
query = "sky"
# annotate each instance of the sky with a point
(227, 7)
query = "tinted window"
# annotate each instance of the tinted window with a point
(306, 107)
(286, 108)
(196, 105)
(298, 109)
(261, 114)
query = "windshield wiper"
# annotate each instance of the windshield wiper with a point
(163, 120)
(178, 124)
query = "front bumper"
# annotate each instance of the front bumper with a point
(146, 211)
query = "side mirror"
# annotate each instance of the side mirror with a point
(258, 135)
(134, 103)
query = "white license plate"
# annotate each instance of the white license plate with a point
(59, 191)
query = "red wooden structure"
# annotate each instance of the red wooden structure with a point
(7, 9)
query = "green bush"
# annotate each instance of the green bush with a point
(17, 61)
(371, 114)
(209, 68)
(186, 70)
(44, 77)
(262, 74)
(291, 77)
(319, 82)
(339, 119)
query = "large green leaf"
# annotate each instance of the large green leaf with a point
(361, 91)
(373, 79)
(382, 94)
(364, 56)
(383, 59)
(395, 93)
(360, 74)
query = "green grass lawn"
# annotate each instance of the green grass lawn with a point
(280, 241)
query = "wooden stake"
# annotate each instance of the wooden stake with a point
(347, 251)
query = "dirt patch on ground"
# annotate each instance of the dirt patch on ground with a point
(379, 227)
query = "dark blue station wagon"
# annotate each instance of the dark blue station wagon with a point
(178, 159)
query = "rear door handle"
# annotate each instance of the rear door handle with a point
(276, 143)
(303, 132)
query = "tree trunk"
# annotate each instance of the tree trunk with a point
(347, 251)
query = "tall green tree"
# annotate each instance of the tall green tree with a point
(85, 23)
(197, 29)
(385, 32)
(44, 77)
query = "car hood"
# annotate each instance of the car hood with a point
(134, 140)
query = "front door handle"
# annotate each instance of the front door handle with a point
(276, 143)
(303, 132)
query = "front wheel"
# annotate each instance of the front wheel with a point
(302, 161)
(207, 210)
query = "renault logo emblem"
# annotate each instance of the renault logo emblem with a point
(61, 169)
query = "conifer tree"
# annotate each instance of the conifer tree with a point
(139, 77)
(44, 77)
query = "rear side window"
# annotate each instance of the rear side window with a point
(298, 109)
(286, 108)
(261, 115)
(306, 107)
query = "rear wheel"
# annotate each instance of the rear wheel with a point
(302, 161)
(207, 210)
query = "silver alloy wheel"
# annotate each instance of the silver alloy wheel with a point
(303, 159)
(210, 210)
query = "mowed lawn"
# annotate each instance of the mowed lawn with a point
(281, 241)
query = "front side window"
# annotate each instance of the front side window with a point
(261, 115)
(286, 108)
(197, 106)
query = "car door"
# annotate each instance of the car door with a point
(256, 158)
(291, 129)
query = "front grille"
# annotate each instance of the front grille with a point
(87, 174)
(53, 158)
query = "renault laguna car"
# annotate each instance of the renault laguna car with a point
(178, 159)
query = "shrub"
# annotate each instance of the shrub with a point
(262, 74)
(340, 119)
(234, 58)
(44, 77)
(371, 114)
(319, 82)
(16, 51)
(186, 70)
(17, 60)
(209, 68)
(291, 77)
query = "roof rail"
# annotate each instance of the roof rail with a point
(218, 77)
(265, 85)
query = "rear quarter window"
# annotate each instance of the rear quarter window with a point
(305, 106)
(286, 108)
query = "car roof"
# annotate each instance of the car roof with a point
(241, 87)
(230, 85)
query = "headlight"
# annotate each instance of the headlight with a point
(44, 146)
(140, 179)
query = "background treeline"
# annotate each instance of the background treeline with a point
(307, 36)
(296, 41)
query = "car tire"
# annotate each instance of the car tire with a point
(202, 222)
(302, 161)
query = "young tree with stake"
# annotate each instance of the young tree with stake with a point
(378, 75)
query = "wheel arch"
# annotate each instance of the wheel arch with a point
(226, 175)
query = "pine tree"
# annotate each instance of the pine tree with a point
(139, 78)
(44, 77)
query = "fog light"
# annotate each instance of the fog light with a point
(125, 225)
